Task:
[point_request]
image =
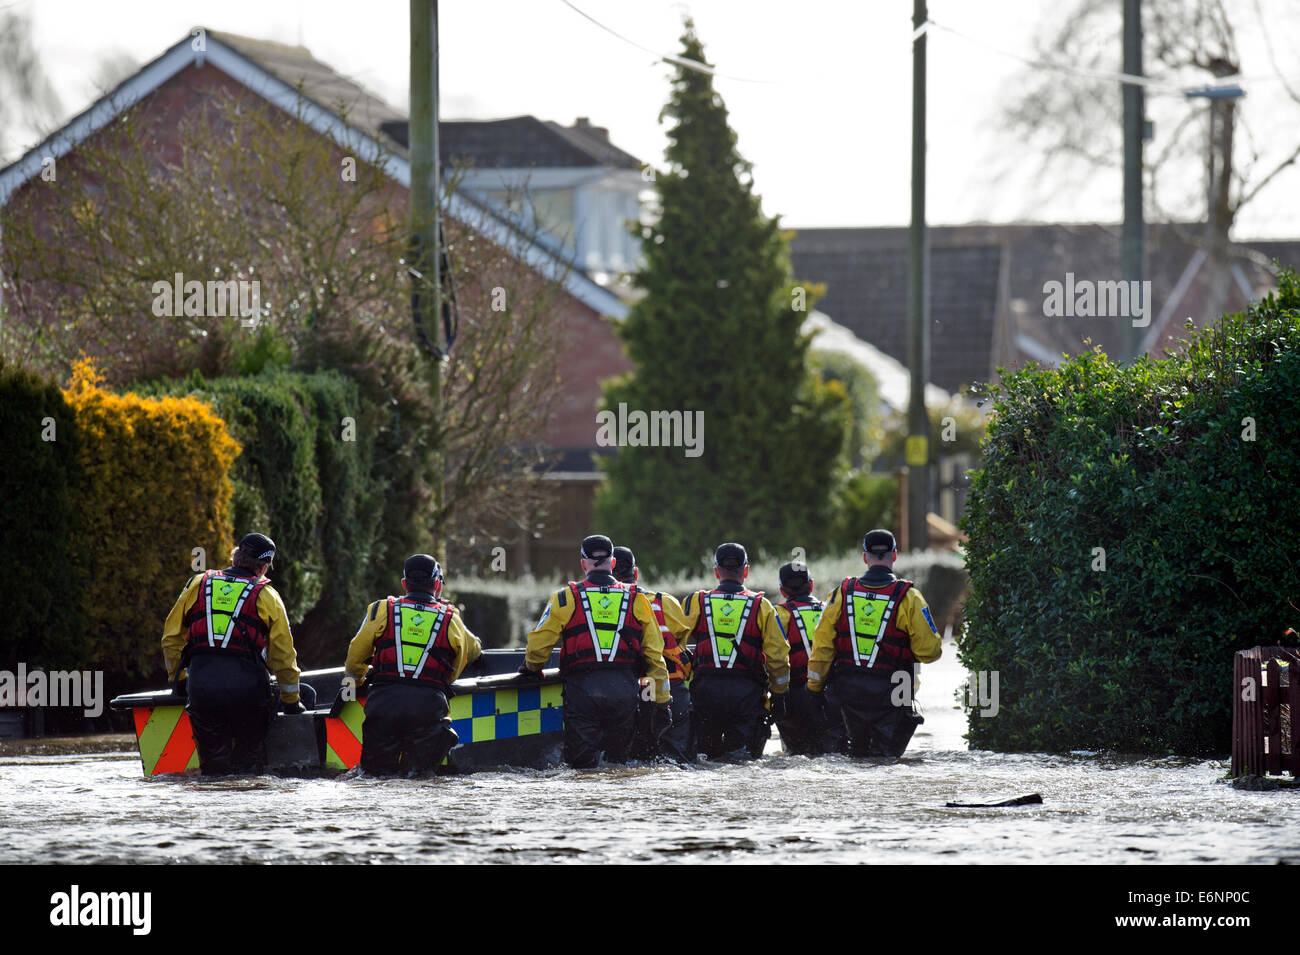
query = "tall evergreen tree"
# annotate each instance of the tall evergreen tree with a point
(718, 331)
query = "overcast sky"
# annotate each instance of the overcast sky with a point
(827, 128)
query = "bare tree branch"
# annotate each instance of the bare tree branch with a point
(249, 193)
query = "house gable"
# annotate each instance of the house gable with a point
(223, 55)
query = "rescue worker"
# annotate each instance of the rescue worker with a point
(226, 629)
(807, 730)
(409, 649)
(676, 742)
(874, 631)
(608, 636)
(739, 653)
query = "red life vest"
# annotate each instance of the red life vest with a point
(425, 655)
(727, 635)
(224, 618)
(672, 650)
(878, 643)
(604, 630)
(799, 634)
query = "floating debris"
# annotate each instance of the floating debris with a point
(1032, 799)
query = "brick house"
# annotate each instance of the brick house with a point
(987, 289)
(207, 64)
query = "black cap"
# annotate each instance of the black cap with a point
(421, 567)
(730, 555)
(879, 543)
(597, 547)
(624, 564)
(793, 580)
(258, 546)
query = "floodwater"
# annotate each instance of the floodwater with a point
(95, 807)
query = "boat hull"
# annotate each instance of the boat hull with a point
(499, 720)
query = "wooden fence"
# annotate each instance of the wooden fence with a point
(1265, 699)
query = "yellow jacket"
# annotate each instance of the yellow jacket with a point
(674, 616)
(912, 617)
(775, 648)
(464, 644)
(675, 620)
(281, 658)
(558, 613)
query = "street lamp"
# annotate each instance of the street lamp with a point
(1221, 100)
(1232, 91)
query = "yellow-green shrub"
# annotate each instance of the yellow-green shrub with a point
(155, 485)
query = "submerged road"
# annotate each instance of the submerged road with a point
(96, 808)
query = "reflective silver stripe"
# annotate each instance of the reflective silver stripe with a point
(880, 634)
(234, 614)
(707, 607)
(850, 592)
(418, 667)
(288, 687)
(797, 620)
(658, 605)
(781, 680)
(397, 637)
(740, 631)
(591, 623)
(434, 630)
(706, 599)
(626, 601)
(207, 605)
(853, 623)
(209, 577)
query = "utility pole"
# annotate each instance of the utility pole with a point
(423, 260)
(918, 305)
(1132, 242)
(425, 285)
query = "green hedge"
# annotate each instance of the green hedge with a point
(38, 485)
(276, 476)
(309, 479)
(349, 528)
(317, 483)
(1200, 529)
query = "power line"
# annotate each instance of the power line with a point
(1151, 84)
(665, 57)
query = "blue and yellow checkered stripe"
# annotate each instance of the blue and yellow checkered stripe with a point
(508, 714)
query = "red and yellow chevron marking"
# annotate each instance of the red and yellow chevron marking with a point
(343, 736)
(165, 739)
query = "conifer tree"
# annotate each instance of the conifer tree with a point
(718, 331)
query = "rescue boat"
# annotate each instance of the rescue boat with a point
(501, 720)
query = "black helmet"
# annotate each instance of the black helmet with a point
(421, 568)
(624, 564)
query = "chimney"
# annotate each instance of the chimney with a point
(583, 124)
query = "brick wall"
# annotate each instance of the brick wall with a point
(592, 349)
